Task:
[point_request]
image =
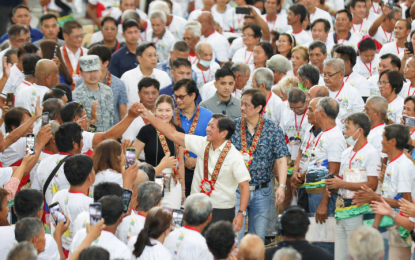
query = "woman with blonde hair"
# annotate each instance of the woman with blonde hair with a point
(287, 83)
(156, 146)
(299, 57)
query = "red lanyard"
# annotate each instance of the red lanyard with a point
(390, 38)
(338, 39)
(203, 74)
(118, 46)
(412, 132)
(246, 61)
(409, 89)
(155, 43)
(397, 48)
(63, 153)
(298, 31)
(308, 142)
(339, 91)
(239, 20)
(211, 34)
(349, 76)
(369, 69)
(376, 126)
(350, 162)
(47, 151)
(295, 117)
(140, 214)
(274, 21)
(373, 6)
(191, 228)
(263, 111)
(235, 92)
(194, 56)
(395, 158)
(359, 28)
(315, 145)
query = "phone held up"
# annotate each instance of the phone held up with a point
(130, 155)
(95, 213)
(30, 143)
(126, 199)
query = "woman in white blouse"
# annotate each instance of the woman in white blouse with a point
(149, 244)
(251, 35)
(108, 162)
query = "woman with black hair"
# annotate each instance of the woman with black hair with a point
(390, 84)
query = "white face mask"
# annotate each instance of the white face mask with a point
(350, 141)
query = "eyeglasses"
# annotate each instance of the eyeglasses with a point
(181, 97)
(247, 35)
(330, 76)
(382, 83)
(150, 56)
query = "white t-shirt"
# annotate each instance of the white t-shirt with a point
(407, 90)
(351, 41)
(392, 48)
(80, 221)
(375, 138)
(302, 37)
(395, 109)
(234, 21)
(162, 45)
(366, 158)
(329, 44)
(219, 17)
(205, 76)
(5, 175)
(35, 182)
(245, 56)
(279, 24)
(176, 8)
(187, 244)
(132, 77)
(236, 45)
(321, 14)
(176, 27)
(274, 108)
(7, 241)
(367, 70)
(232, 172)
(376, 9)
(72, 203)
(383, 37)
(220, 45)
(108, 175)
(14, 152)
(88, 139)
(361, 29)
(15, 79)
(294, 127)
(107, 240)
(399, 177)
(374, 81)
(157, 251)
(365, 88)
(130, 227)
(26, 97)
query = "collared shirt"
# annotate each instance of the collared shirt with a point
(169, 91)
(365, 87)
(205, 76)
(35, 35)
(165, 66)
(15, 79)
(204, 118)
(232, 172)
(74, 58)
(130, 227)
(38, 42)
(217, 106)
(157, 251)
(105, 111)
(118, 90)
(122, 61)
(351, 40)
(117, 46)
(220, 45)
(208, 90)
(26, 97)
(132, 77)
(163, 44)
(271, 146)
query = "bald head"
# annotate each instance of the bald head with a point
(207, 22)
(46, 73)
(251, 248)
(206, 16)
(319, 91)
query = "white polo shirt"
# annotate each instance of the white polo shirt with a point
(15, 152)
(375, 138)
(5, 175)
(219, 17)
(108, 175)
(107, 240)
(236, 45)
(72, 204)
(130, 227)
(245, 56)
(399, 177)
(351, 41)
(367, 70)
(203, 76)
(383, 37)
(176, 27)
(232, 172)
(357, 81)
(407, 90)
(392, 48)
(279, 24)
(361, 29)
(234, 21)
(187, 244)
(376, 9)
(301, 37)
(294, 127)
(35, 182)
(320, 13)
(162, 45)
(157, 251)
(132, 77)
(26, 97)
(395, 109)
(220, 45)
(15, 79)
(329, 44)
(274, 108)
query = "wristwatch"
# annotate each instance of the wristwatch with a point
(243, 212)
(92, 128)
(283, 185)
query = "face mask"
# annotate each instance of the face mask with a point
(205, 63)
(300, 85)
(350, 140)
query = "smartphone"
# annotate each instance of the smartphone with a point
(95, 213)
(126, 198)
(30, 143)
(243, 10)
(178, 217)
(159, 179)
(57, 213)
(130, 155)
(409, 121)
(410, 47)
(408, 148)
(45, 119)
(330, 176)
(55, 51)
(10, 99)
(390, 4)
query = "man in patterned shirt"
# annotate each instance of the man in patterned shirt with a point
(261, 143)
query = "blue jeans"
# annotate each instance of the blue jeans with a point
(313, 203)
(257, 211)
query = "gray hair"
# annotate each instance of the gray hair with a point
(335, 63)
(264, 76)
(196, 31)
(379, 104)
(278, 63)
(197, 209)
(199, 46)
(296, 95)
(329, 106)
(287, 253)
(52, 106)
(158, 14)
(309, 72)
(365, 243)
(240, 67)
(318, 44)
(54, 126)
(148, 196)
(148, 169)
(287, 83)
(27, 228)
(23, 250)
(130, 14)
(4, 45)
(160, 6)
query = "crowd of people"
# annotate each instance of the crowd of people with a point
(283, 129)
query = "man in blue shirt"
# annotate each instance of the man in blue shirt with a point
(181, 69)
(192, 118)
(262, 143)
(21, 15)
(180, 50)
(125, 59)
